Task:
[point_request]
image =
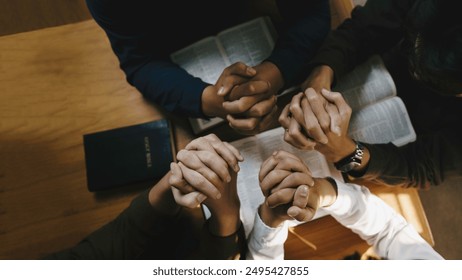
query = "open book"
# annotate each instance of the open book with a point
(256, 149)
(379, 116)
(250, 42)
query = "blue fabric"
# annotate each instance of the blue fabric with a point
(144, 33)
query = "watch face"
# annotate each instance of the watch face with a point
(349, 166)
(351, 161)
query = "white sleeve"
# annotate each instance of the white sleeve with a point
(378, 224)
(266, 243)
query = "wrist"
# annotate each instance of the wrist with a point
(348, 147)
(268, 71)
(161, 197)
(320, 77)
(355, 161)
(212, 103)
(327, 191)
(224, 225)
(268, 217)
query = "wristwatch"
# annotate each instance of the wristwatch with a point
(351, 161)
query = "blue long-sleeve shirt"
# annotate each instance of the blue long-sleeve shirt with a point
(144, 33)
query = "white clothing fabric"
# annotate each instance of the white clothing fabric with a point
(365, 214)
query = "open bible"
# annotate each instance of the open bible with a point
(256, 149)
(250, 42)
(379, 116)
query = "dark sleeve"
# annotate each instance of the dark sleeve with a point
(372, 29)
(230, 247)
(306, 24)
(135, 230)
(146, 65)
(422, 163)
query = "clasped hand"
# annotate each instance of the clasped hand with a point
(245, 96)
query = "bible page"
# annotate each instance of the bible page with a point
(255, 150)
(250, 42)
(366, 84)
(204, 59)
(383, 122)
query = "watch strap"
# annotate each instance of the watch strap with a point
(351, 161)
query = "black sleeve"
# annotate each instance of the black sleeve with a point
(423, 163)
(140, 48)
(372, 29)
(230, 247)
(135, 230)
(305, 26)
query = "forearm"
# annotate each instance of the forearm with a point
(145, 62)
(374, 28)
(308, 23)
(129, 236)
(171, 87)
(145, 222)
(378, 224)
(421, 164)
(266, 242)
(222, 247)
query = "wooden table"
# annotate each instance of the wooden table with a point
(334, 241)
(60, 83)
(56, 85)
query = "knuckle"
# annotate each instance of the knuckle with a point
(310, 126)
(182, 154)
(292, 132)
(274, 100)
(240, 64)
(348, 111)
(228, 79)
(282, 119)
(258, 111)
(251, 88)
(325, 124)
(287, 138)
(277, 196)
(251, 124)
(312, 97)
(336, 95)
(303, 217)
(242, 106)
(214, 177)
(175, 181)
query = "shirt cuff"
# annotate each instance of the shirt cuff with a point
(266, 242)
(344, 201)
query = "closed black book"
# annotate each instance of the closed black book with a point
(128, 155)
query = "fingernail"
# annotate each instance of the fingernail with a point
(228, 179)
(221, 91)
(200, 197)
(304, 191)
(251, 71)
(325, 91)
(236, 168)
(324, 140)
(218, 196)
(293, 212)
(275, 152)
